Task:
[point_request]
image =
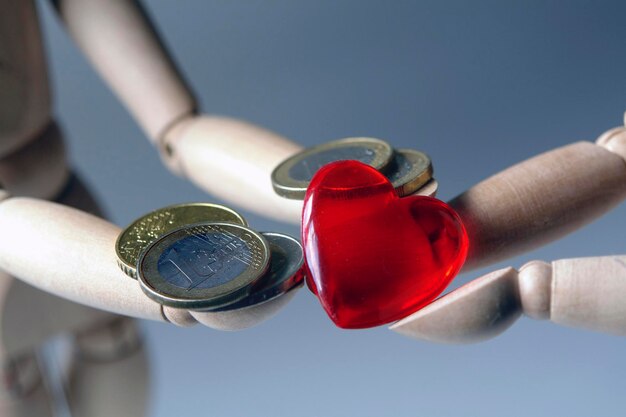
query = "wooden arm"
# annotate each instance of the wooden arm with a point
(234, 160)
(71, 254)
(582, 292)
(121, 43)
(521, 208)
(541, 199)
(229, 158)
(68, 253)
(39, 169)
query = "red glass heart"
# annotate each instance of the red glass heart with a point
(372, 257)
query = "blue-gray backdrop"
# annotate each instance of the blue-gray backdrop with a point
(477, 85)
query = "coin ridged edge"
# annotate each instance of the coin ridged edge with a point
(131, 272)
(411, 186)
(292, 280)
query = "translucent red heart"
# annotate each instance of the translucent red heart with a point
(372, 257)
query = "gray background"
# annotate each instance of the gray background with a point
(477, 85)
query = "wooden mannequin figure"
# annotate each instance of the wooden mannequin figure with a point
(122, 45)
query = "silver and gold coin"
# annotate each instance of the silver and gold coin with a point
(283, 275)
(409, 170)
(145, 230)
(291, 178)
(203, 266)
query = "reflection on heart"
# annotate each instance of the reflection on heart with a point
(372, 257)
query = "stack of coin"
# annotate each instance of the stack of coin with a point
(205, 257)
(408, 170)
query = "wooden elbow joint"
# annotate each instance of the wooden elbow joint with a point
(233, 160)
(535, 289)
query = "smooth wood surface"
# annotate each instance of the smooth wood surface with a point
(47, 314)
(245, 317)
(68, 253)
(24, 91)
(535, 287)
(110, 372)
(477, 311)
(583, 292)
(38, 169)
(590, 293)
(123, 46)
(233, 160)
(539, 200)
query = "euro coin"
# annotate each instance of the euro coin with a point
(145, 230)
(203, 266)
(285, 272)
(409, 170)
(291, 178)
